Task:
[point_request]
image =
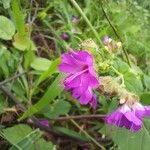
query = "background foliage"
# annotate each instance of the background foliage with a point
(31, 89)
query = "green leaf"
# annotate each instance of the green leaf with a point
(23, 42)
(43, 145)
(18, 17)
(113, 105)
(27, 141)
(58, 108)
(103, 101)
(7, 29)
(41, 64)
(51, 93)
(145, 98)
(12, 134)
(28, 58)
(127, 140)
(44, 75)
(147, 81)
(120, 65)
(52, 69)
(19, 91)
(70, 133)
(133, 83)
(131, 78)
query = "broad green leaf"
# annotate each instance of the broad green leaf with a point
(16, 133)
(70, 133)
(103, 101)
(127, 140)
(28, 141)
(133, 83)
(58, 108)
(18, 17)
(145, 98)
(7, 29)
(23, 42)
(120, 65)
(52, 69)
(41, 64)
(147, 81)
(19, 91)
(28, 58)
(51, 93)
(113, 105)
(132, 80)
(44, 75)
(44, 145)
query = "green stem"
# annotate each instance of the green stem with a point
(116, 33)
(87, 21)
(86, 134)
(120, 74)
(63, 44)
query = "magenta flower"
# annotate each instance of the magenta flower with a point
(81, 77)
(129, 118)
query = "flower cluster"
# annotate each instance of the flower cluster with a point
(129, 117)
(81, 77)
(81, 80)
(111, 45)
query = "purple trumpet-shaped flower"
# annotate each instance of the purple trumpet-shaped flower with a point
(81, 77)
(129, 117)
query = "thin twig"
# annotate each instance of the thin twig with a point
(7, 92)
(96, 116)
(87, 135)
(116, 33)
(75, 4)
(11, 78)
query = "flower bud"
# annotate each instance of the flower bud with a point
(65, 36)
(74, 19)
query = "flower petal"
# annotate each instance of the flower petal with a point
(147, 111)
(93, 101)
(81, 77)
(86, 97)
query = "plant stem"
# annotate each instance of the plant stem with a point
(63, 44)
(11, 78)
(95, 116)
(86, 134)
(120, 74)
(87, 21)
(117, 35)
